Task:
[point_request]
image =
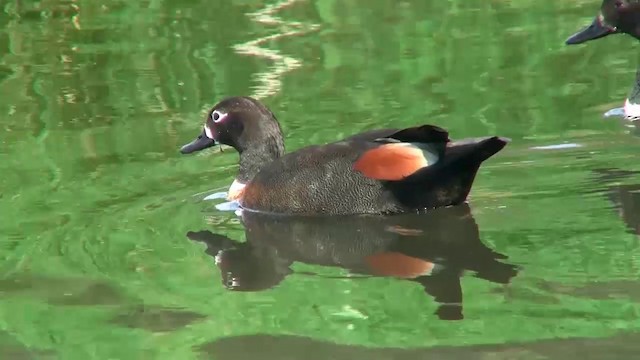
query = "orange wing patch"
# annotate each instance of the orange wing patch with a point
(391, 162)
(398, 265)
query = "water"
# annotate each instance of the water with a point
(96, 201)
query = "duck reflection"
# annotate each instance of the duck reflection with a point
(625, 198)
(432, 249)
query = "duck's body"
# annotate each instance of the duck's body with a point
(616, 17)
(325, 179)
(377, 172)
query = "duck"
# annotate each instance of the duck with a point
(377, 172)
(616, 17)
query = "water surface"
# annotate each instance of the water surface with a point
(97, 202)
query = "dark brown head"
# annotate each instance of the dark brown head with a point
(248, 126)
(241, 122)
(615, 17)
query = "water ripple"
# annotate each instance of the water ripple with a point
(270, 80)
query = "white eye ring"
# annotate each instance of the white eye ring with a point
(217, 116)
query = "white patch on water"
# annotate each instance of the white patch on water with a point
(216, 196)
(228, 206)
(232, 205)
(630, 111)
(557, 146)
(619, 112)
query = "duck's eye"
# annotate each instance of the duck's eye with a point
(218, 116)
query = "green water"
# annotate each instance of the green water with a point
(96, 201)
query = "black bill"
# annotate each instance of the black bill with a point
(594, 31)
(200, 143)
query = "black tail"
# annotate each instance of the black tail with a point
(461, 156)
(473, 151)
(449, 181)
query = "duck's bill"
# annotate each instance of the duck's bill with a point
(200, 143)
(594, 31)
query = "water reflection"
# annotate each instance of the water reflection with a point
(624, 198)
(156, 318)
(433, 249)
(619, 346)
(14, 349)
(625, 201)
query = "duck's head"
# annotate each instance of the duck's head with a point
(249, 127)
(615, 17)
(242, 123)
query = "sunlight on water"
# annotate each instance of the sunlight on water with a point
(271, 80)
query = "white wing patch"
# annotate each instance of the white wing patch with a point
(428, 151)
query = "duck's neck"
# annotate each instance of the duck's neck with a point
(253, 158)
